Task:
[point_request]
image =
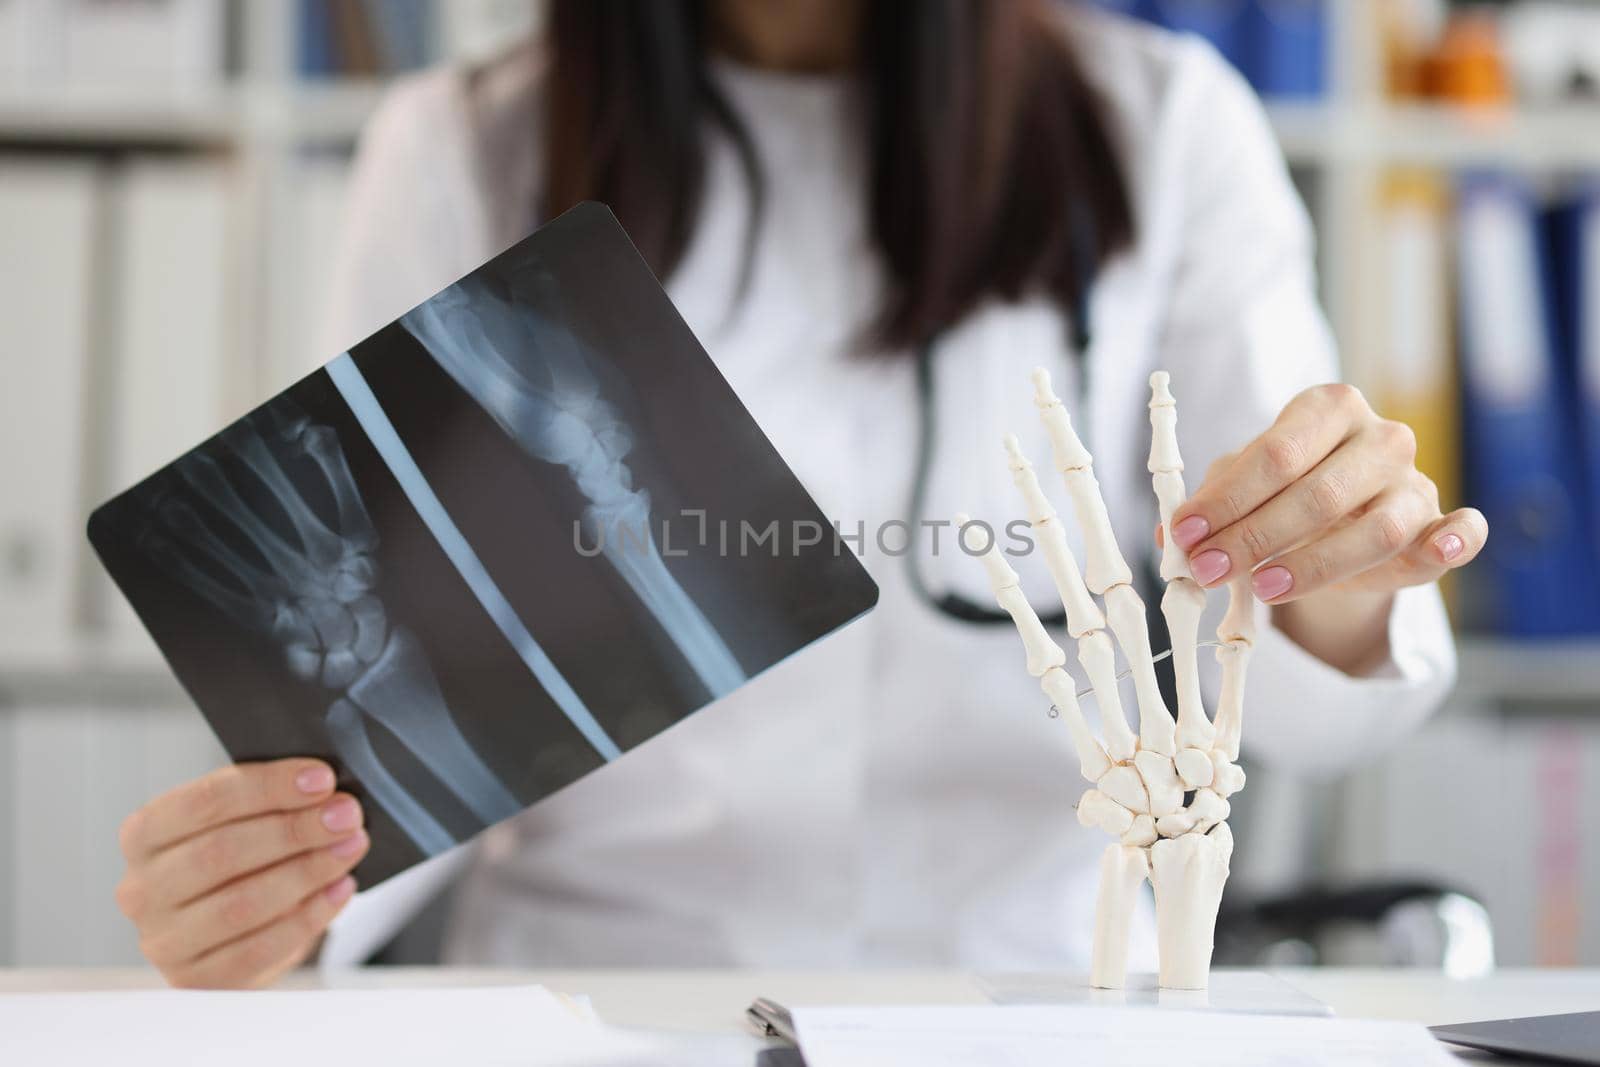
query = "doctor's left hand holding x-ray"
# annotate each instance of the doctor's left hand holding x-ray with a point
(942, 197)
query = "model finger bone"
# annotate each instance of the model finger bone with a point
(1141, 780)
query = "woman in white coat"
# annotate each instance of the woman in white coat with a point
(833, 190)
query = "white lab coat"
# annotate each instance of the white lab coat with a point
(897, 793)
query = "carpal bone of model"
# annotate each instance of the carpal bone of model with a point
(1141, 780)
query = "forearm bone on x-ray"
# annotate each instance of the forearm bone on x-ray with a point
(533, 376)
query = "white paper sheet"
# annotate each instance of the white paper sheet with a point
(523, 1025)
(1026, 1035)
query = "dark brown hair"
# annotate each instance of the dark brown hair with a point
(992, 168)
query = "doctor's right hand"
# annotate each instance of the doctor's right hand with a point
(233, 878)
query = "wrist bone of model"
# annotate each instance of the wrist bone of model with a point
(1106, 571)
(1203, 812)
(1097, 809)
(1188, 874)
(1122, 868)
(1142, 834)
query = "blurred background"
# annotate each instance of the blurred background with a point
(171, 184)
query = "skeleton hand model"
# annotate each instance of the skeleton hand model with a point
(1140, 781)
(312, 593)
(532, 375)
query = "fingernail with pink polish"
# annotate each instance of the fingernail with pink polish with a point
(314, 780)
(350, 847)
(342, 814)
(1212, 565)
(1272, 583)
(1450, 546)
(1191, 531)
(341, 891)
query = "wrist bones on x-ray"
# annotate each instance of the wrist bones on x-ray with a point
(1140, 781)
(533, 377)
(312, 592)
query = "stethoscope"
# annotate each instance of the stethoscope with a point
(951, 604)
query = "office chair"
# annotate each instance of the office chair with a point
(1397, 924)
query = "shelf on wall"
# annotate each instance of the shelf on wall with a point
(1533, 671)
(1312, 134)
(109, 673)
(1321, 134)
(223, 115)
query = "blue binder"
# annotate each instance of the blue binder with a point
(314, 40)
(405, 31)
(1574, 232)
(1131, 8)
(1280, 46)
(1287, 54)
(1225, 23)
(1521, 454)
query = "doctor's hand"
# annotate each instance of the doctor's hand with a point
(233, 878)
(1326, 508)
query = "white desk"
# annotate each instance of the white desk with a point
(714, 1001)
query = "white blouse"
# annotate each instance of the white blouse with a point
(895, 795)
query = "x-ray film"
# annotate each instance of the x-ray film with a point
(487, 550)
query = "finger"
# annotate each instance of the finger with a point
(1311, 426)
(1451, 541)
(251, 903)
(1350, 477)
(262, 956)
(1218, 465)
(1383, 531)
(1456, 539)
(225, 794)
(191, 868)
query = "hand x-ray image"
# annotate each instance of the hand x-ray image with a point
(484, 552)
